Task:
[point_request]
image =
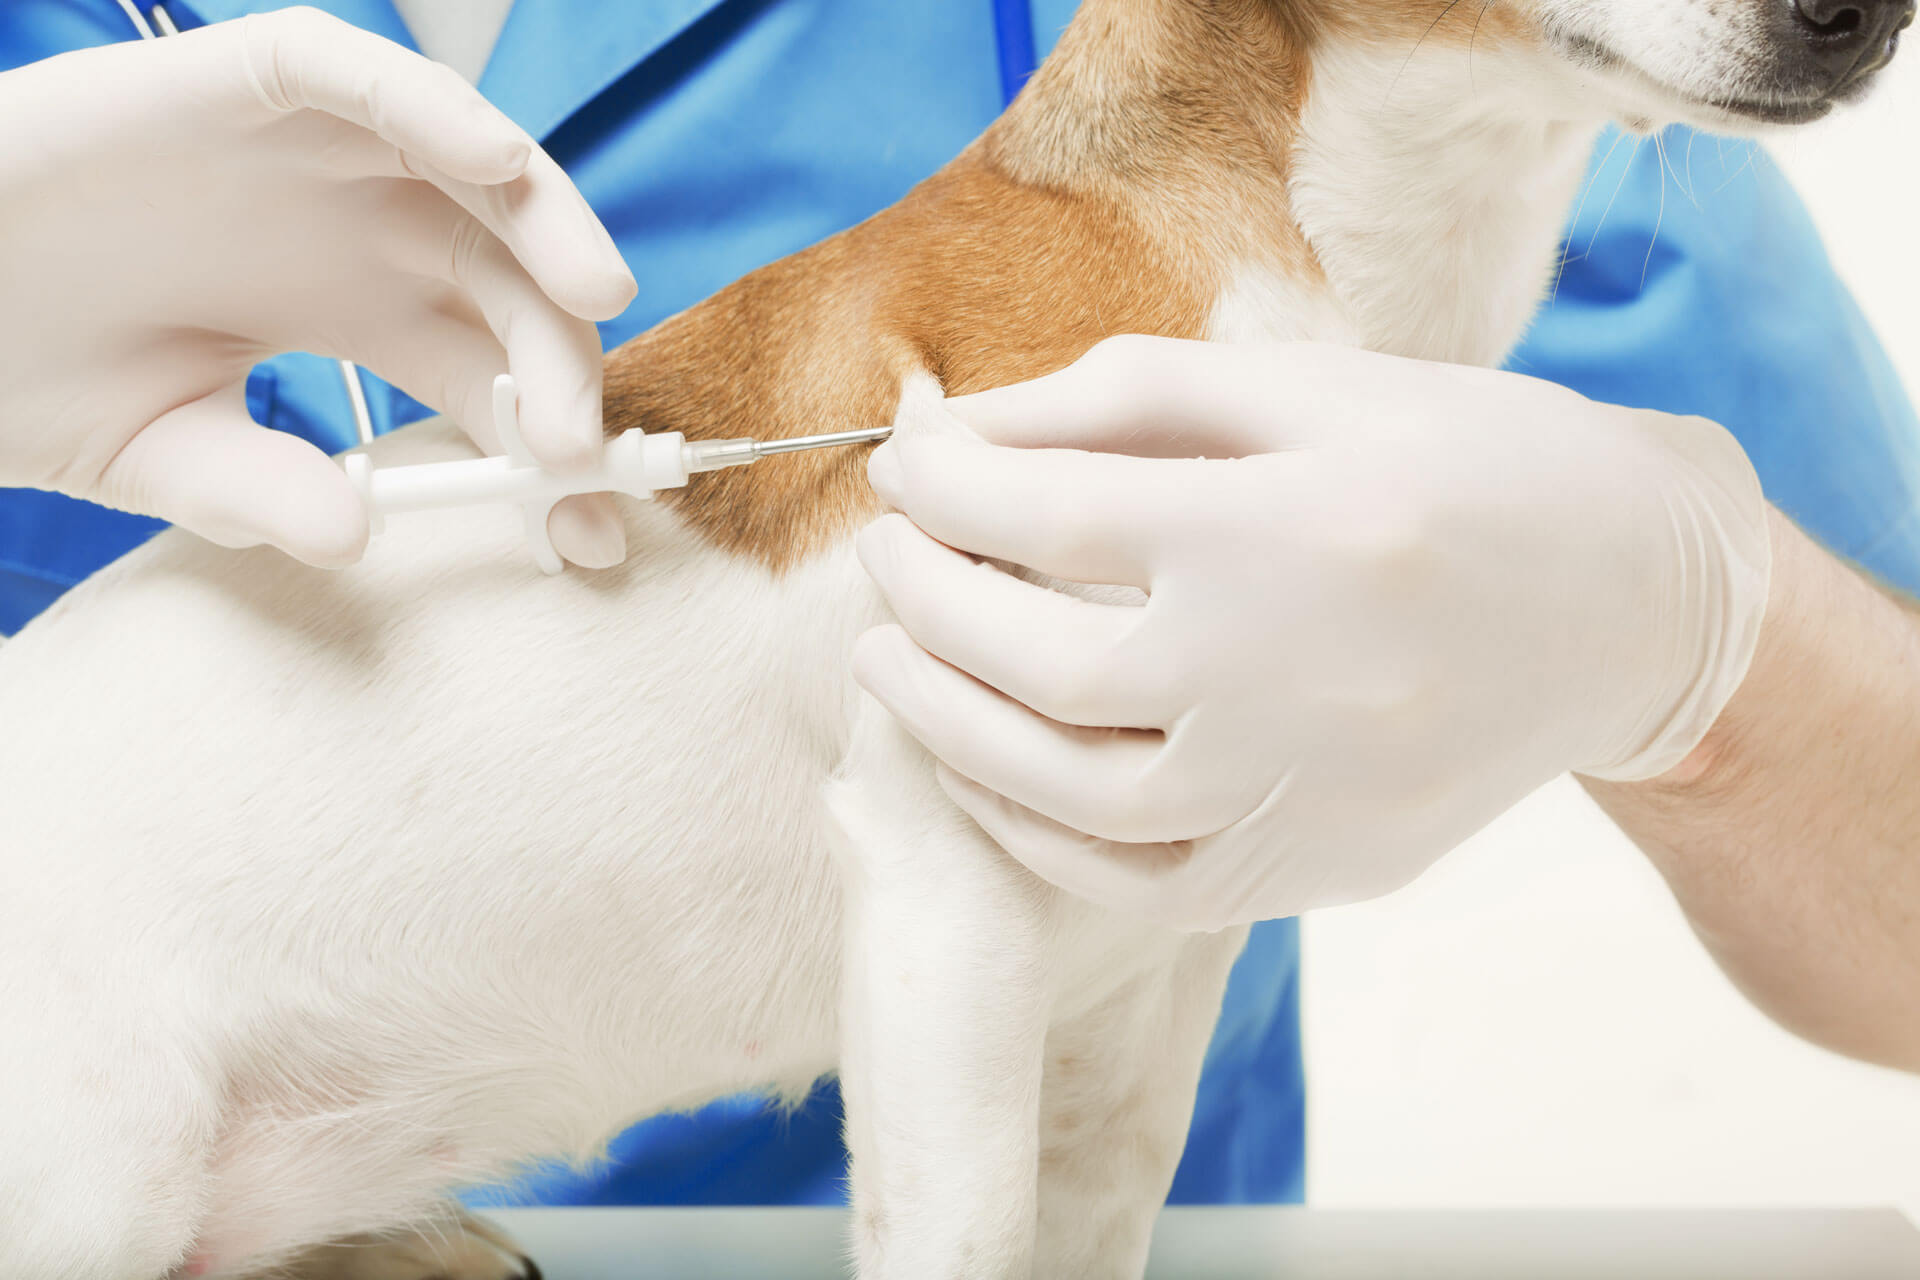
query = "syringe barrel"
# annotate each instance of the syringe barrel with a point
(459, 484)
(633, 463)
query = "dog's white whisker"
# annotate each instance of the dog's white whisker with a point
(1660, 155)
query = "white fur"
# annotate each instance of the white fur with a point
(1432, 189)
(1260, 304)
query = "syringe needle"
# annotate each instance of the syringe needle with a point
(713, 455)
(795, 444)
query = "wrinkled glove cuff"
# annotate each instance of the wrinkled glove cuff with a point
(1723, 568)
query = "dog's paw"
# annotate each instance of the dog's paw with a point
(458, 1248)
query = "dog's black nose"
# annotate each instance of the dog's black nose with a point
(1848, 39)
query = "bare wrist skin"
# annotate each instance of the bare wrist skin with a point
(1791, 834)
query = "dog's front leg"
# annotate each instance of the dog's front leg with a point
(1118, 1098)
(943, 1022)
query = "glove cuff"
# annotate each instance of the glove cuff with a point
(1721, 574)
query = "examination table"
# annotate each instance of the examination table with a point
(1278, 1244)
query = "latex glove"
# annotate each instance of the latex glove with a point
(175, 211)
(1399, 597)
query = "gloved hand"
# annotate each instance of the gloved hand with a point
(1388, 600)
(172, 212)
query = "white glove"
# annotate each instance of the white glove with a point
(1398, 598)
(173, 212)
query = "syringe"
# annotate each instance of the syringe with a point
(634, 463)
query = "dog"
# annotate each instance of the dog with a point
(329, 892)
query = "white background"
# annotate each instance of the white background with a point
(1533, 1024)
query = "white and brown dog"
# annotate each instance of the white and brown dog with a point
(325, 893)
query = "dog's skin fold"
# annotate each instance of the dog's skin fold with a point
(326, 893)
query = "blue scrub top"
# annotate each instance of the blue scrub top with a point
(713, 137)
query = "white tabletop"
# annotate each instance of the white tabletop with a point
(1278, 1244)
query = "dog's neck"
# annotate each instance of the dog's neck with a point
(1434, 192)
(1327, 182)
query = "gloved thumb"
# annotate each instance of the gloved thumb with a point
(1093, 403)
(1157, 397)
(208, 467)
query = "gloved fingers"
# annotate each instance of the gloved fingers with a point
(553, 355)
(444, 357)
(440, 129)
(1131, 394)
(1156, 397)
(304, 59)
(587, 530)
(1089, 779)
(1061, 656)
(208, 467)
(1131, 879)
(1085, 517)
(449, 361)
(551, 229)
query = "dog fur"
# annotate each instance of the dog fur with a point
(327, 893)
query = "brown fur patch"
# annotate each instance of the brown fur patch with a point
(973, 278)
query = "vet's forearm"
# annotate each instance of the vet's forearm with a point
(1792, 835)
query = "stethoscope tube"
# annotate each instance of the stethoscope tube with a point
(140, 22)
